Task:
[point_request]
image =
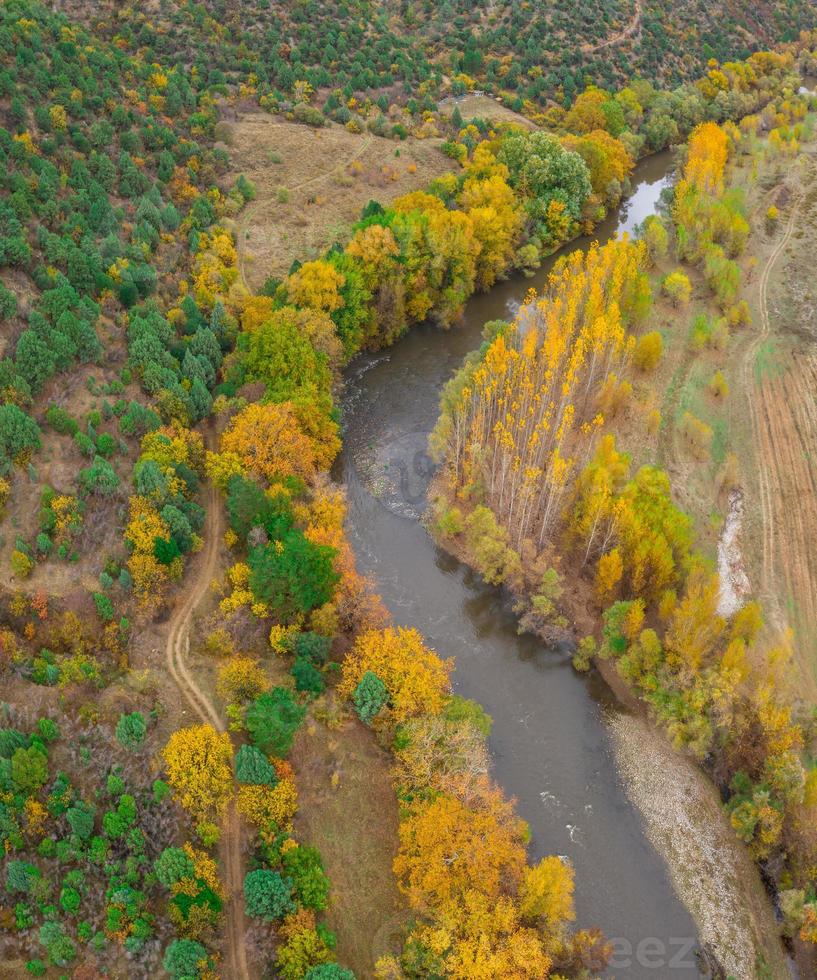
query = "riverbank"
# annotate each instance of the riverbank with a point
(710, 869)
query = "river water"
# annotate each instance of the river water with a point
(549, 744)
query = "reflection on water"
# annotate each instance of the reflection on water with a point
(549, 743)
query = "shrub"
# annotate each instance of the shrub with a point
(648, 350)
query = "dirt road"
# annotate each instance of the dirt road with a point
(178, 645)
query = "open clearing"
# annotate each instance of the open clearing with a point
(348, 809)
(312, 184)
(484, 107)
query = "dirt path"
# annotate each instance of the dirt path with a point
(250, 212)
(178, 646)
(629, 31)
(758, 411)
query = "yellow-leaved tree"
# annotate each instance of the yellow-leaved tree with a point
(198, 761)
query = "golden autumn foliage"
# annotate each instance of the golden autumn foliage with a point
(268, 441)
(241, 679)
(448, 850)
(707, 153)
(521, 421)
(198, 761)
(316, 284)
(415, 677)
(265, 806)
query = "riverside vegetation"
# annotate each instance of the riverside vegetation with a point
(137, 369)
(537, 486)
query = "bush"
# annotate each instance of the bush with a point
(648, 351)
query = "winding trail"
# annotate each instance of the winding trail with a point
(757, 411)
(178, 646)
(627, 32)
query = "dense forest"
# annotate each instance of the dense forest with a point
(183, 629)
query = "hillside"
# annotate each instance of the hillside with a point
(412, 54)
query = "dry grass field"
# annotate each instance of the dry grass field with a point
(312, 184)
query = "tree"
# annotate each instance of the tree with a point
(305, 867)
(308, 679)
(198, 762)
(29, 768)
(272, 720)
(185, 959)
(281, 355)
(269, 442)
(131, 730)
(448, 851)
(292, 575)
(369, 697)
(241, 679)
(172, 865)
(416, 679)
(19, 434)
(329, 971)
(267, 894)
(80, 819)
(100, 477)
(546, 893)
(252, 767)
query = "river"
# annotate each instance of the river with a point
(550, 742)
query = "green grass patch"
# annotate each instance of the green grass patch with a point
(767, 360)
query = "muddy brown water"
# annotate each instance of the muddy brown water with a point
(549, 744)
